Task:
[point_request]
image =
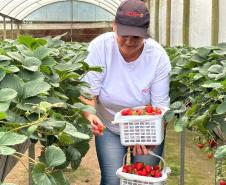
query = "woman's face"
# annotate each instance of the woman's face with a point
(129, 44)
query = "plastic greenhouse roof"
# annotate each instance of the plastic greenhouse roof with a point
(19, 9)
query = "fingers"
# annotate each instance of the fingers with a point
(144, 149)
(140, 150)
(97, 126)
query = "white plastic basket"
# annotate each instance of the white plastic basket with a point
(142, 130)
(132, 179)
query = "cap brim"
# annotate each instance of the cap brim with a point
(124, 30)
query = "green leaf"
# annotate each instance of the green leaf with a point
(11, 138)
(31, 129)
(68, 67)
(221, 109)
(3, 115)
(41, 52)
(5, 150)
(212, 85)
(7, 94)
(54, 156)
(2, 74)
(220, 52)
(216, 69)
(73, 154)
(49, 61)
(176, 105)
(203, 52)
(71, 130)
(4, 58)
(11, 69)
(16, 56)
(34, 88)
(13, 82)
(96, 68)
(65, 139)
(27, 40)
(169, 116)
(32, 63)
(83, 147)
(80, 57)
(69, 75)
(45, 106)
(179, 125)
(4, 106)
(192, 110)
(52, 123)
(84, 108)
(41, 177)
(60, 178)
(27, 75)
(197, 58)
(221, 152)
(75, 164)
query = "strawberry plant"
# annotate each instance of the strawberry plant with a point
(198, 94)
(40, 86)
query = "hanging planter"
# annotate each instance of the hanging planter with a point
(8, 162)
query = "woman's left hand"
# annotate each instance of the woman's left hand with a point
(140, 150)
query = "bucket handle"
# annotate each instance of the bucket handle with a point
(150, 153)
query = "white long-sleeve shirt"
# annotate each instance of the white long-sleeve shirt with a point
(122, 84)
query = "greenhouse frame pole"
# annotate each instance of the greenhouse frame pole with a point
(4, 28)
(11, 27)
(31, 153)
(157, 4)
(186, 22)
(18, 29)
(215, 22)
(168, 23)
(72, 13)
(182, 156)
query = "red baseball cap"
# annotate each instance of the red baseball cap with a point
(132, 18)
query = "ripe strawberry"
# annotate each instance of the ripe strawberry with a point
(156, 167)
(148, 168)
(101, 128)
(222, 182)
(158, 174)
(210, 155)
(149, 109)
(144, 172)
(139, 173)
(152, 173)
(127, 112)
(158, 111)
(200, 145)
(139, 165)
(125, 168)
(212, 143)
(130, 169)
(139, 112)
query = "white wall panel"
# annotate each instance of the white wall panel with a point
(222, 21)
(162, 22)
(200, 22)
(176, 22)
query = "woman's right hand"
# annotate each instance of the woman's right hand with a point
(97, 125)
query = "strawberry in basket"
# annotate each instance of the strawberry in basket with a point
(139, 168)
(146, 110)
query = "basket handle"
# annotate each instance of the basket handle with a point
(150, 153)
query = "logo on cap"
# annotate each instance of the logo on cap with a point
(134, 14)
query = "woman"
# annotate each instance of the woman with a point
(135, 73)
